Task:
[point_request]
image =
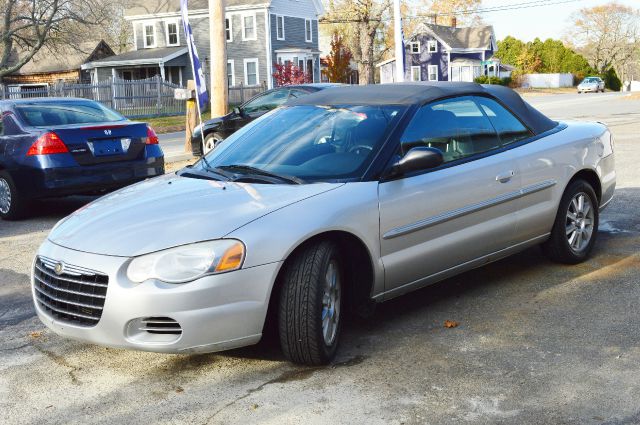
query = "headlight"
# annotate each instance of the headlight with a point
(188, 262)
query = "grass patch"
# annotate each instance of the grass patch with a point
(545, 91)
(170, 124)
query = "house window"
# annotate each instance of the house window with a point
(432, 72)
(415, 73)
(149, 35)
(308, 32)
(172, 34)
(280, 27)
(432, 46)
(231, 77)
(251, 75)
(228, 30)
(415, 47)
(249, 27)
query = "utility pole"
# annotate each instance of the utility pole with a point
(397, 29)
(218, 58)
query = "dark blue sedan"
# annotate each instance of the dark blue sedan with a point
(58, 147)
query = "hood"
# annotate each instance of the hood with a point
(171, 210)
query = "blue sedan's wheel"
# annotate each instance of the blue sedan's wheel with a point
(311, 303)
(11, 205)
(576, 227)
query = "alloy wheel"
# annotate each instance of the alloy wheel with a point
(5, 196)
(580, 222)
(331, 303)
(210, 143)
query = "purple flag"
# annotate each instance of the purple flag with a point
(196, 66)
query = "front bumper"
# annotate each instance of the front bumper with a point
(215, 313)
(591, 89)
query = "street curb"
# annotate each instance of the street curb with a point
(177, 157)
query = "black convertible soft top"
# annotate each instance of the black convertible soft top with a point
(423, 92)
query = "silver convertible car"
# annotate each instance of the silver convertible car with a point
(321, 208)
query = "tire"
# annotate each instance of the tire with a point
(312, 288)
(211, 141)
(575, 229)
(12, 205)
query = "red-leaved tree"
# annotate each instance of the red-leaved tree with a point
(338, 61)
(287, 74)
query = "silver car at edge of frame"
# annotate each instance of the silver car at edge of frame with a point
(320, 209)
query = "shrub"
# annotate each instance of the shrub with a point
(611, 80)
(486, 79)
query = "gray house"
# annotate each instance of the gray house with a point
(446, 53)
(259, 34)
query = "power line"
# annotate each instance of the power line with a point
(509, 7)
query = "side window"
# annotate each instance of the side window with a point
(298, 93)
(509, 128)
(267, 101)
(455, 126)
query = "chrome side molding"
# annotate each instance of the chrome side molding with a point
(469, 209)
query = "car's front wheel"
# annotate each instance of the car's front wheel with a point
(576, 227)
(210, 142)
(310, 304)
(11, 202)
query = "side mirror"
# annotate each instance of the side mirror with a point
(237, 111)
(417, 159)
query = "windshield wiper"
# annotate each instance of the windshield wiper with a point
(259, 171)
(215, 170)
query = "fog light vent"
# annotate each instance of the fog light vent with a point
(160, 325)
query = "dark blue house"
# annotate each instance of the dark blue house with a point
(446, 53)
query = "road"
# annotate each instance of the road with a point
(173, 146)
(537, 342)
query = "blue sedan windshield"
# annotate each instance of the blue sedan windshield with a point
(313, 143)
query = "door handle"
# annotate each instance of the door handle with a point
(506, 176)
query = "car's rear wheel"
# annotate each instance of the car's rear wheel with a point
(310, 317)
(576, 227)
(210, 142)
(11, 202)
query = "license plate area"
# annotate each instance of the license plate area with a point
(109, 147)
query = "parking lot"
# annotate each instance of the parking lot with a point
(537, 342)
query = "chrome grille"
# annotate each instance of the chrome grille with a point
(69, 293)
(160, 325)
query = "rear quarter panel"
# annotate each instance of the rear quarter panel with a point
(558, 157)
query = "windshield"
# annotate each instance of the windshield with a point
(590, 80)
(65, 113)
(310, 143)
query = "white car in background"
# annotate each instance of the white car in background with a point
(591, 84)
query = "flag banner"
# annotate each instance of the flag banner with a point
(196, 65)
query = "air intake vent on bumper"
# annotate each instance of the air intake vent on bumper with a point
(160, 325)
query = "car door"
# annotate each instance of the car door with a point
(461, 211)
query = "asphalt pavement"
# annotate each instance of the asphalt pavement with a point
(537, 343)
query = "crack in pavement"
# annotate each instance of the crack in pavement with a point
(61, 361)
(288, 376)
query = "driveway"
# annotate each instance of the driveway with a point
(536, 342)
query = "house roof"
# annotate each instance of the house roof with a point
(479, 37)
(46, 61)
(424, 92)
(139, 57)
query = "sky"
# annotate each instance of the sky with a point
(540, 21)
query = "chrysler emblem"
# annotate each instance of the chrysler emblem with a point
(59, 269)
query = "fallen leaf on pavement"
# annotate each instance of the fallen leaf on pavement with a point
(450, 323)
(35, 334)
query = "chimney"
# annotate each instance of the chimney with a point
(454, 22)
